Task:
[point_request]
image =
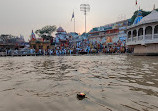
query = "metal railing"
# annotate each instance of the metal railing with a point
(17, 53)
(3, 53)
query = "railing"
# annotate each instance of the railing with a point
(155, 36)
(111, 34)
(140, 38)
(134, 39)
(148, 37)
(128, 39)
(3, 53)
(17, 53)
(146, 40)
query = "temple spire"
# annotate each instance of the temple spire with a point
(33, 37)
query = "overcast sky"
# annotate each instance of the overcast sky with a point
(21, 16)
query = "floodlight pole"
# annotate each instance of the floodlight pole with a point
(85, 22)
(74, 20)
(74, 24)
(85, 8)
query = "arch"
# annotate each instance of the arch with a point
(140, 32)
(134, 33)
(129, 34)
(148, 30)
(156, 29)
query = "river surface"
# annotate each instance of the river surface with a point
(110, 82)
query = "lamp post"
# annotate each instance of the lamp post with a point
(85, 8)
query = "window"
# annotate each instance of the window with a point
(140, 32)
(134, 33)
(148, 30)
(156, 30)
(129, 34)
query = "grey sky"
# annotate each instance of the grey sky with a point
(21, 16)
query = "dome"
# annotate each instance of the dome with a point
(60, 29)
(152, 17)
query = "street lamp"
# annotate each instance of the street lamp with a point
(85, 8)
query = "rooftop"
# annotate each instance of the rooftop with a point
(151, 18)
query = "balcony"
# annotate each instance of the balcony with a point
(155, 36)
(140, 38)
(148, 37)
(134, 39)
(128, 39)
(147, 40)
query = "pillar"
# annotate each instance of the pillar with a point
(153, 28)
(144, 33)
(137, 35)
(131, 35)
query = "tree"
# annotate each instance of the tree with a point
(46, 32)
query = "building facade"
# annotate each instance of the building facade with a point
(111, 33)
(61, 38)
(39, 43)
(143, 36)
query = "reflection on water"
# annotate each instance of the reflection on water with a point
(111, 83)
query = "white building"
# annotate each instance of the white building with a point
(75, 39)
(143, 36)
(61, 35)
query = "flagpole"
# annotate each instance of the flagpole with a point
(74, 23)
(137, 6)
(85, 22)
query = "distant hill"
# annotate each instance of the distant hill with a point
(144, 13)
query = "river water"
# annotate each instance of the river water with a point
(111, 83)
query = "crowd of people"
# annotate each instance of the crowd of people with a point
(80, 50)
(69, 50)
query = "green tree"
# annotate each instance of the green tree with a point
(46, 32)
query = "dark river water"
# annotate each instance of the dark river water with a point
(110, 82)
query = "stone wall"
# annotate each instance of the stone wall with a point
(149, 49)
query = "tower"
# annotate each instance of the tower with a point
(33, 37)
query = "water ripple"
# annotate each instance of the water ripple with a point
(111, 82)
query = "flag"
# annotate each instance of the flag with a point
(72, 16)
(136, 2)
